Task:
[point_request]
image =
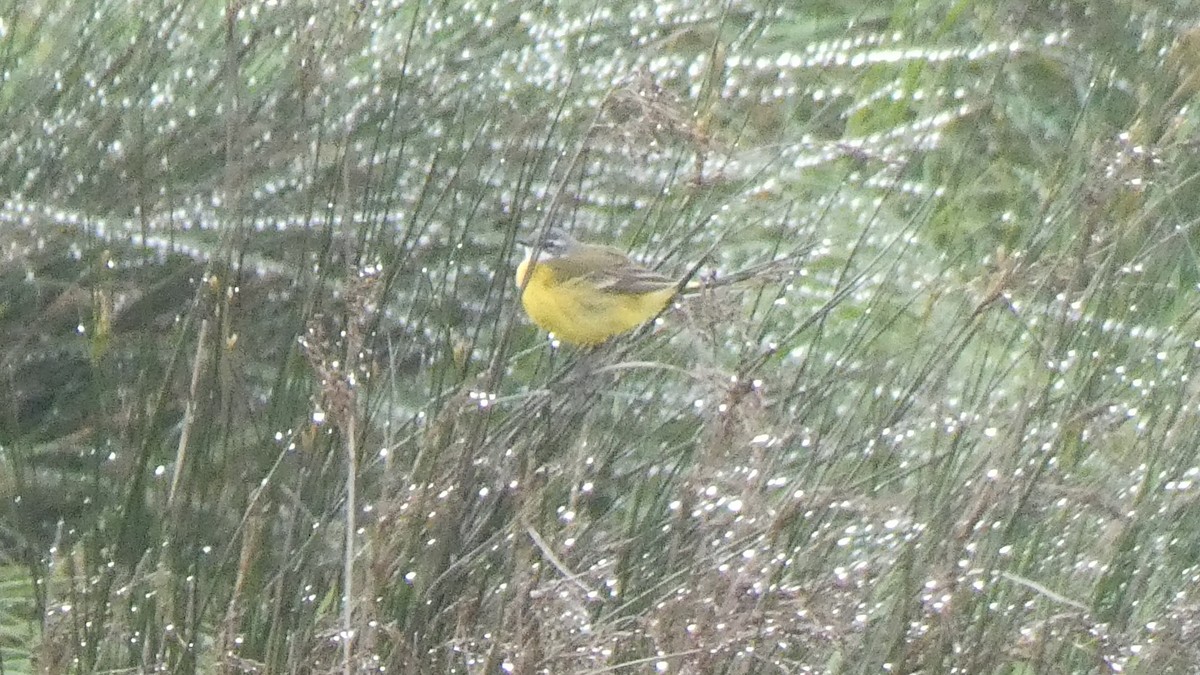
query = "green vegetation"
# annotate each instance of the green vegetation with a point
(268, 402)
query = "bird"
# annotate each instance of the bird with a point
(586, 294)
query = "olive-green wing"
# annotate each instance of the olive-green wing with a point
(608, 269)
(632, 278)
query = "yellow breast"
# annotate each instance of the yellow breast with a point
(579, 313)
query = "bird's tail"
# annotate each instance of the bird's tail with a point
(780, 269)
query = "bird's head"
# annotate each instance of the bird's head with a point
(554, 243)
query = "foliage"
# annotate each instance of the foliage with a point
(269, 403)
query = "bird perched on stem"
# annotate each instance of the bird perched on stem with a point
(587, 294)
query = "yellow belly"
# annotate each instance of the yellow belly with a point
(579, 314)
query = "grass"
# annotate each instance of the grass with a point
(270, 405)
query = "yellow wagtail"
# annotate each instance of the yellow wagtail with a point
(587, 293)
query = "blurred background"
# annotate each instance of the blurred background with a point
(269, 404)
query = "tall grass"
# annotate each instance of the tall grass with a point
(269, 403)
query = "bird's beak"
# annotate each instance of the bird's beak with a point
(530, 245)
